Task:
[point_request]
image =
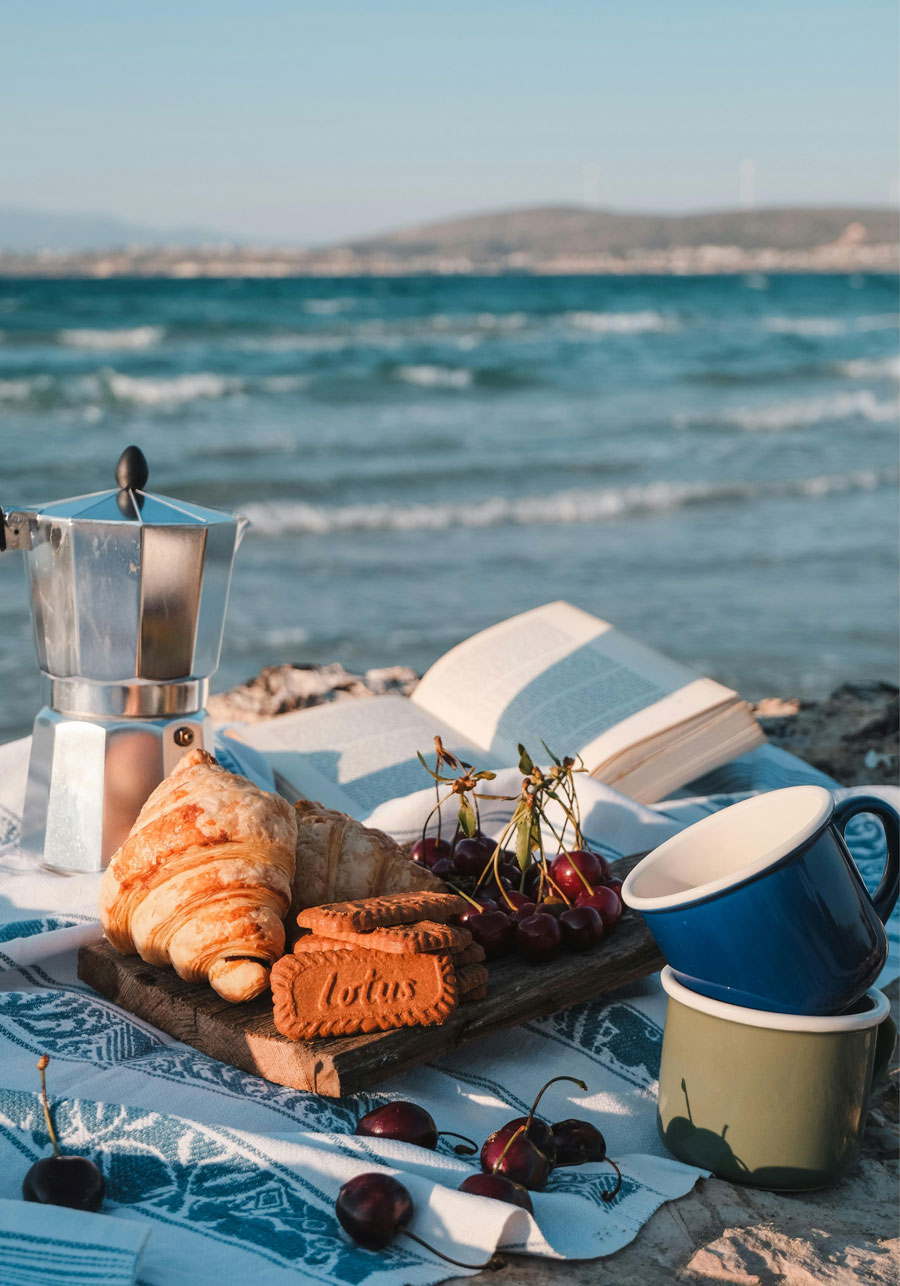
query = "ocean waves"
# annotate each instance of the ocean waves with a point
(563, 508)
(130, 337)
(794, 413)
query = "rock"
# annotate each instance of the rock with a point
(853, 735)
(279, 689)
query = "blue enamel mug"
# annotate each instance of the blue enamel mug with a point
(761, 904)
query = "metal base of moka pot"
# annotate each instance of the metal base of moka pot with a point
(91, 770)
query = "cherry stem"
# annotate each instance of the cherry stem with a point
(509, 1142)
(463, 1152)
(608, 1196)
(575, 1081)
(493, 1263)
(42, 1067)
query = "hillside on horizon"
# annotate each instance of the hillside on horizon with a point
(552, 230)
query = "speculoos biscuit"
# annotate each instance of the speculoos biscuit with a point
(367, 914)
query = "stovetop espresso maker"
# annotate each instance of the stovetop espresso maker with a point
(128, 596)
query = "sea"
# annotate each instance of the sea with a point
(709, 463)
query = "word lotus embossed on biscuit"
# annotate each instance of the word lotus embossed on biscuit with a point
(336, 993)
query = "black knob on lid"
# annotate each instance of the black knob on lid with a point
(132, 470)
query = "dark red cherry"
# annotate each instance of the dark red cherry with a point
(523, 1162)
(616, 886)
(500, 1188)
(61, 1179)
(493, 931)
(445, 869)
(429, 850)
(475, 908)
(374, 1208)
(608, 903)
(533, 880)
(400, 1120)
(65, 1181)
(537, 1132)
(538, 938)
(518, 900)
(576, 872)
(552, 906)
(523, 912)
(471, 856)
(578, 1142)
(407, 1123)
(581, 927)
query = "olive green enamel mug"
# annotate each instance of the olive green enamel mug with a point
(768, 1099)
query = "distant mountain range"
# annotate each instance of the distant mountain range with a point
(554, 230)
(24, 231)
(540, 232)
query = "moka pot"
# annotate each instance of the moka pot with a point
(128, 596)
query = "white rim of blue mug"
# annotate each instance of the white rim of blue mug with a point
(880, 1008)
(819, 808)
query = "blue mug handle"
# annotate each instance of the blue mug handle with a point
(884, 898)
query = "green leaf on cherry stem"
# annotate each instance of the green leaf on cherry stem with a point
(466, 819)
(525, 764)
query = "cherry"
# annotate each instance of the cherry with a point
(581, 927)
(471, 856)
(523, 912)
(578, 1142)
(493, 931)
(533, 880)
(475, 908)
(500, 1188)
(524, 1149)
(429, 850)
(616, 886)
(407, 1123)
(444, 868)
(60, 1180)
(518, 900)
(552, 906)
(577, 872)
(538, 938)
(607, 902)
(374, 1208)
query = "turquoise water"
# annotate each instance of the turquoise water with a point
(710, 463)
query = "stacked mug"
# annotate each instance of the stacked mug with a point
(773, 1028)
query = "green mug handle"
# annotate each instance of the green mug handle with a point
(884, 898)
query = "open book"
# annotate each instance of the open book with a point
(642, 724)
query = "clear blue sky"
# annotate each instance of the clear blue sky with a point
(296, 121)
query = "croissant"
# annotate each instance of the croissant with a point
(339, 860)
(203, 880)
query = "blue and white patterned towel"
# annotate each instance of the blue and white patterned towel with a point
(234, 1176)
(71, 1248)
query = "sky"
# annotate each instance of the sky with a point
(293, 121)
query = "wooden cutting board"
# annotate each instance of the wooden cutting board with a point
(245, 1035)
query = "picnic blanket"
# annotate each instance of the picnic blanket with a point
(227, 1174)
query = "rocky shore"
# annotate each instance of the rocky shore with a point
(719, 1233)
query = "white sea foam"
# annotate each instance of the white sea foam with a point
(880, 321)
(808, 327)
(131, 337)
(14, 390)
(864, 368)
(147, 391)
(796, 413)
(621, 323)
(283, 383)
(428, 376)
(561, 508)
(328, 307)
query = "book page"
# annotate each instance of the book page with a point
(353, 755)
(559, 675)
